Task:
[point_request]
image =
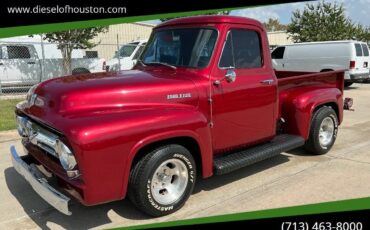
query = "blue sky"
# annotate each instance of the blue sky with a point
(357, 10)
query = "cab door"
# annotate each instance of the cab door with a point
(22, 65)
(244, 109)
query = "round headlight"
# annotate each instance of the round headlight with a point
(66, 157)
(22, 126)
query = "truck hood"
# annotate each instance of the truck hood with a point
(84, 95)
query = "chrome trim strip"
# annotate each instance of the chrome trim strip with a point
(56, 199)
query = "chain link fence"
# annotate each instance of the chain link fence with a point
(24, 64)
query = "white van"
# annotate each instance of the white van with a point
(324, 56)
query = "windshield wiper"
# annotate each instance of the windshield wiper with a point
(161, 63)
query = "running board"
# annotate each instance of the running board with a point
(237, 160)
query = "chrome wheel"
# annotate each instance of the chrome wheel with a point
(169, 181)
(326, 132)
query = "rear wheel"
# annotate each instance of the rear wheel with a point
(323, 131)
(162, 181)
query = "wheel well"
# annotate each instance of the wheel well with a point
(326, 70)
(333, 105)
(189, 143)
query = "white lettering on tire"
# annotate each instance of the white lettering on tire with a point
(191, 179)
(155, 205)
(187, 161)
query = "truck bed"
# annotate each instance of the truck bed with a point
(301, 88)
(292, 79)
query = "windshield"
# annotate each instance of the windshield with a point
(188, 47)
(127, 50)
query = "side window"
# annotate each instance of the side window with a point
(227, 57)
(242, 50)
(127, 50)
(150, 52)
(278, 53)
(91, 54)
(18, 52)
(358, 50)
(1, 52)
(365, 50)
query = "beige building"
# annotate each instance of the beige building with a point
(277, 38)
(123, 33)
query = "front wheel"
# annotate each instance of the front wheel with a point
(347, 84)
(323, 131)
(162, 181)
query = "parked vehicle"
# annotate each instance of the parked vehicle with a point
(128, 55)
(324, 56)
(202, 100)
(21, 64)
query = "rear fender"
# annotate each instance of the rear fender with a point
(298, 108)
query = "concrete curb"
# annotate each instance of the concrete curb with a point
(9, 135)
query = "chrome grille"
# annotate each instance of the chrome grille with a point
(38, 135)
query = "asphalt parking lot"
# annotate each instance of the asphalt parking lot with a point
(290, 179)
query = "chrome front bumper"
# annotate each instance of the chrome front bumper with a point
(40, 184)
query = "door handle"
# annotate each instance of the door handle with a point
(31, 63)
(267, 82)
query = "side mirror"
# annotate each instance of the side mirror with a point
(230, 75)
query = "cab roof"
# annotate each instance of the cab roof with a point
(210, 19)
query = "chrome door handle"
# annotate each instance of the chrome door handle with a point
(267, 82)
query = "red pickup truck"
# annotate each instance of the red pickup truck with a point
(202, 100)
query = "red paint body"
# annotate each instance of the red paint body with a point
(107, 118)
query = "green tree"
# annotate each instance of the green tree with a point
(274, 25)
(69, 40)
(224, 12)
(362, 33)
(324, 22)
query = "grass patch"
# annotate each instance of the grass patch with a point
(7, 120)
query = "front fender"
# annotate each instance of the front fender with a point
(109, 144)
(196, 128)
